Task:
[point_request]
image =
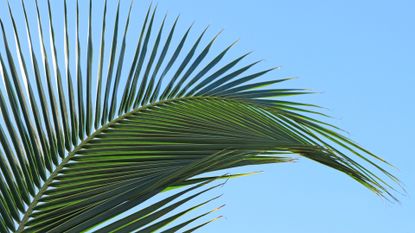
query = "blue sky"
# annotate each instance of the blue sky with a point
(361, 56)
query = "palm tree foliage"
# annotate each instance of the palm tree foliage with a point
(81, 145)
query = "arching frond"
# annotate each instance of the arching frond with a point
(95, 124)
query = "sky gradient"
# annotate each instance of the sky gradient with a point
(361, 56)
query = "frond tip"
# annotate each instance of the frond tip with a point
(85, 140)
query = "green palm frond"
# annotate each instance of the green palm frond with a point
(84, 139)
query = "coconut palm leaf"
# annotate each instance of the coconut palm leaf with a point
(88, 133)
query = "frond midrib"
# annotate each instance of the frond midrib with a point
(84, 142)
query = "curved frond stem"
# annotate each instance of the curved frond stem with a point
(72, 153)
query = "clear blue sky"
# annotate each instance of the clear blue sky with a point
(361, 56)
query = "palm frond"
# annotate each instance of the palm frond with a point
(85, 139)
